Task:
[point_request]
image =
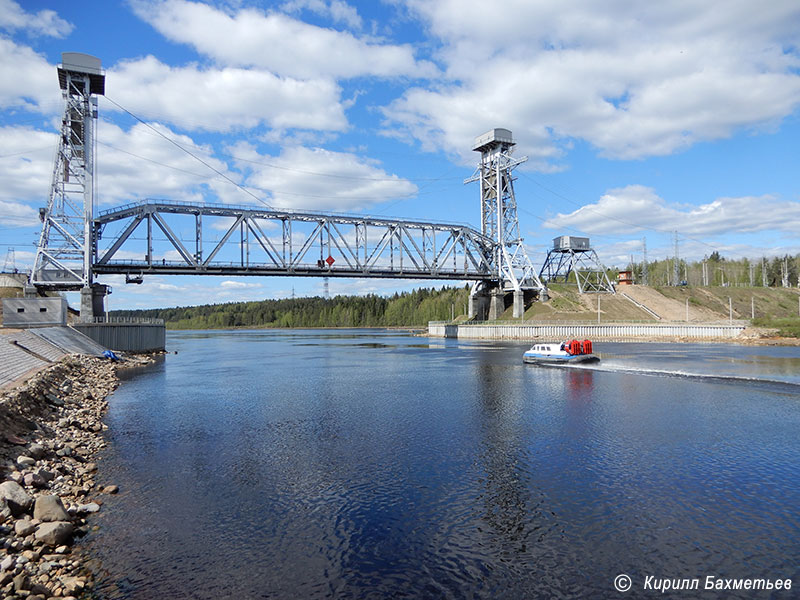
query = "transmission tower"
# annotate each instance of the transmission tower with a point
(785, 273)
(10, 265)
(514, 271)
(676, 260)
(644, 262)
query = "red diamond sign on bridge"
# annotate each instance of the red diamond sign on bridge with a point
(330, 260)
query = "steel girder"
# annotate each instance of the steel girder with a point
(276, 242)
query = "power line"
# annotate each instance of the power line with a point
(271, 191)
(197, 158)
(319, 173)
(607, 216)
(31, 151)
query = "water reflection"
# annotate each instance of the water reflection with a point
(268, 464)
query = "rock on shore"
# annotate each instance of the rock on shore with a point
(51, 428)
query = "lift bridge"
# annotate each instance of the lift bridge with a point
(76, 244)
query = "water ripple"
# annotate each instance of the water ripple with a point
(355, 465)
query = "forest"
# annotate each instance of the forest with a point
(405, 309)
(416, 308)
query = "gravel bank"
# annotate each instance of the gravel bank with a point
(52, 427)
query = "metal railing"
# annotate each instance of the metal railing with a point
(541, 323)
(123, 321)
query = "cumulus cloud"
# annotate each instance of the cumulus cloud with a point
(633, 80)
(138, 163)
(220, 100)
(45, 22)
(636, 208)
(15, 214)
(277, 42)
(157, 291)
(336, 10)
(318, 179)
(239, 285)
(26, 173)
(27, 80)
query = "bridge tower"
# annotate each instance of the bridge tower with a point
(64, 252)
(514, 271)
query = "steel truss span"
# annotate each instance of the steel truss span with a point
(278, 242)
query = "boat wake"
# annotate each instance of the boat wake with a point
(607, 367)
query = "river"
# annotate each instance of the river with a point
(377, 464)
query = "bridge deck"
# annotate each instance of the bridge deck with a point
(278, 242)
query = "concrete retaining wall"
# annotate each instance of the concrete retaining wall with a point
(126, 337)
(34, 312)
(561, 331)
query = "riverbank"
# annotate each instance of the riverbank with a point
(52, 430)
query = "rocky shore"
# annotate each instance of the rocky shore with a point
(52, 427)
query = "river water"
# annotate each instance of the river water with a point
(376, 464)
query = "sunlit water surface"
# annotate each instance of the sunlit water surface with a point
(376, 464)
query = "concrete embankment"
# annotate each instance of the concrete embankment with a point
(25, 351)
(52, 427)
(606, 331)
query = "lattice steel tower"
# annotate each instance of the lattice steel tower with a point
(64, 253)
(574, 255)
(514, 270)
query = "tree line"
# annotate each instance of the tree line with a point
(406, 309)
(716, 270)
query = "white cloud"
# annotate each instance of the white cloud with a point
(27, 80)
(633, 80)
(317, 179)
(239, 285)
(213, 99)
(279, 43)
(635, 208)
(158, 291)
(14, 214)
(44, 22)
(336, 10)
(27, 170)
(138, 163)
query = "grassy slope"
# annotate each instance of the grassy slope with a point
(774, 307)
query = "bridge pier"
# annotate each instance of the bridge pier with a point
(519, 304)
(489, 304)
(93, 301)
(497, 304)
(479, 305)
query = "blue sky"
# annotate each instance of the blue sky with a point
(638, 119)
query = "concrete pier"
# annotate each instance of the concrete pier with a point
(519, 304)
(497, 304)
(560, 331)
(93, 301)
(479, 305)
